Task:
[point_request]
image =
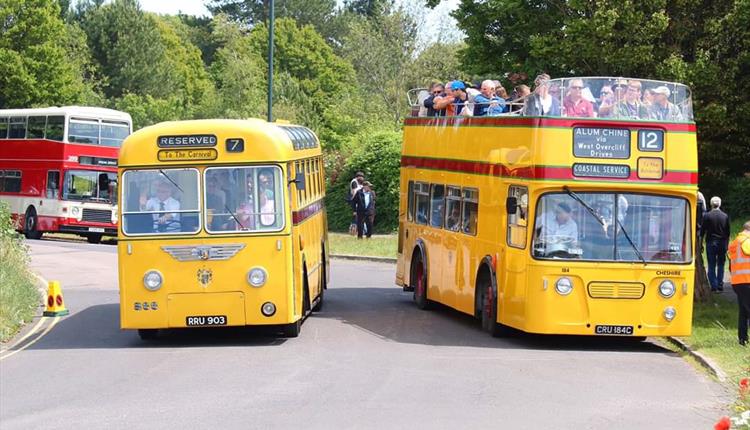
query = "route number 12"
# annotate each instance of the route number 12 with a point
(651, 140)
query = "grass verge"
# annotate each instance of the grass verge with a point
(18, 292)
(715, 335)
(377, 246)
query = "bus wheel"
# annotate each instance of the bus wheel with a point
(293, 329)
(488, 309)
(31, 223)
(94, 238)
(148, 333)
(419, 282)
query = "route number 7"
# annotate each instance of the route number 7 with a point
(651, 140)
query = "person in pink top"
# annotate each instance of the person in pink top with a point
(575, 104)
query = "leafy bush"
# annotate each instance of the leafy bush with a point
(378, 155)
(18, 294)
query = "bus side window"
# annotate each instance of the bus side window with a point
(470, 211)
(410, 202)
(53, 184)
(437, 205)
(55, 128)
(422, 197)
(453, 209)
(17, 128)
(36, 127)
(516, 235)
(3, 128)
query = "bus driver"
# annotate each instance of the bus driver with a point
(558, 229)
(161, 203)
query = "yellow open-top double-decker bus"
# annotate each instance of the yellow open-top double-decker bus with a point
(222, 223)
(556, 223)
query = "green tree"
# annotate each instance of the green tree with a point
(253, 12)
(35, 68)
(381, 52)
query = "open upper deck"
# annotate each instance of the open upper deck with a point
(566, 138)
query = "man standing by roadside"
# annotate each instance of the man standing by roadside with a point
(739, 265)
(715, 230)
(364, 207)
(354, 186)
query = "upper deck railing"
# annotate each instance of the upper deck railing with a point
(606, 98)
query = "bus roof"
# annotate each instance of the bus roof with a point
(84, 111)
(215, 140)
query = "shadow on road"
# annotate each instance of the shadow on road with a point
(390, 314)
(98, 326)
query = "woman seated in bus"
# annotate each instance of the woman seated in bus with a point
(245, 214)
(267, 210)
(541, 103)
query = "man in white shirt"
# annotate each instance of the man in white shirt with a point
(561, 227)
(161, 204)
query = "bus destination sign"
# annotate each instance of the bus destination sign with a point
(187, 154)
(187, 140)
(619, 171)
(594, 142)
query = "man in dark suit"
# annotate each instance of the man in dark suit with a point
(715, 229)
(364, 206)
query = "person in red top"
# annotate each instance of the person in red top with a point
(574, 104)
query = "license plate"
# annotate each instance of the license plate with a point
(622, 330)
(96, 229)
(205, 320)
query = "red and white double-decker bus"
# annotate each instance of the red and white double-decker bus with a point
(58, 168)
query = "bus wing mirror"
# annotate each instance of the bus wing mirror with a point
(511, 205)
(299, 181)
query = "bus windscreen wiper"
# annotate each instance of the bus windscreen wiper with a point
(630, 241)
(170, 180)
(598, 217)
(591, 210)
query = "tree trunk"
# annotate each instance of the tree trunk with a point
(702, 287)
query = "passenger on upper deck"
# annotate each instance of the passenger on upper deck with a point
(663, 109)
(648, 98)
(487, 103)
(631, 107)
(541, 103)
(461, 98)
(503, 94)
(607, 111)
(606, 102)
(519, 97)
(436, 91)
(575, 104)
(447, 102)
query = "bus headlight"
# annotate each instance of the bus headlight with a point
(75, 210)
(669, 313)
(563, 286)
(667, 289)
(152, 280)
(257, 277)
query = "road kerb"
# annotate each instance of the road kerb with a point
(704, 361)
(364, 258)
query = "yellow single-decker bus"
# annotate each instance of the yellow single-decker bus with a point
(222, 223)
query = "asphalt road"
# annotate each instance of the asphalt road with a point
(369, 360)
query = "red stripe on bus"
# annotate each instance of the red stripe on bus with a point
(535, 172)
(307, 212)
(544, 122)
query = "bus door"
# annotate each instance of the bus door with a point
(513, 286)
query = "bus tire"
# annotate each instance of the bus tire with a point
(94, 238)
(488, 305)
(148, 333)
(31, 224)
(418, 280)
(319, 304)
(293, 329)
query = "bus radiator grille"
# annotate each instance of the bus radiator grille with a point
(599, 290)
(96, 215)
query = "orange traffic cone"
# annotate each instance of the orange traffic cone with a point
(55, 303)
